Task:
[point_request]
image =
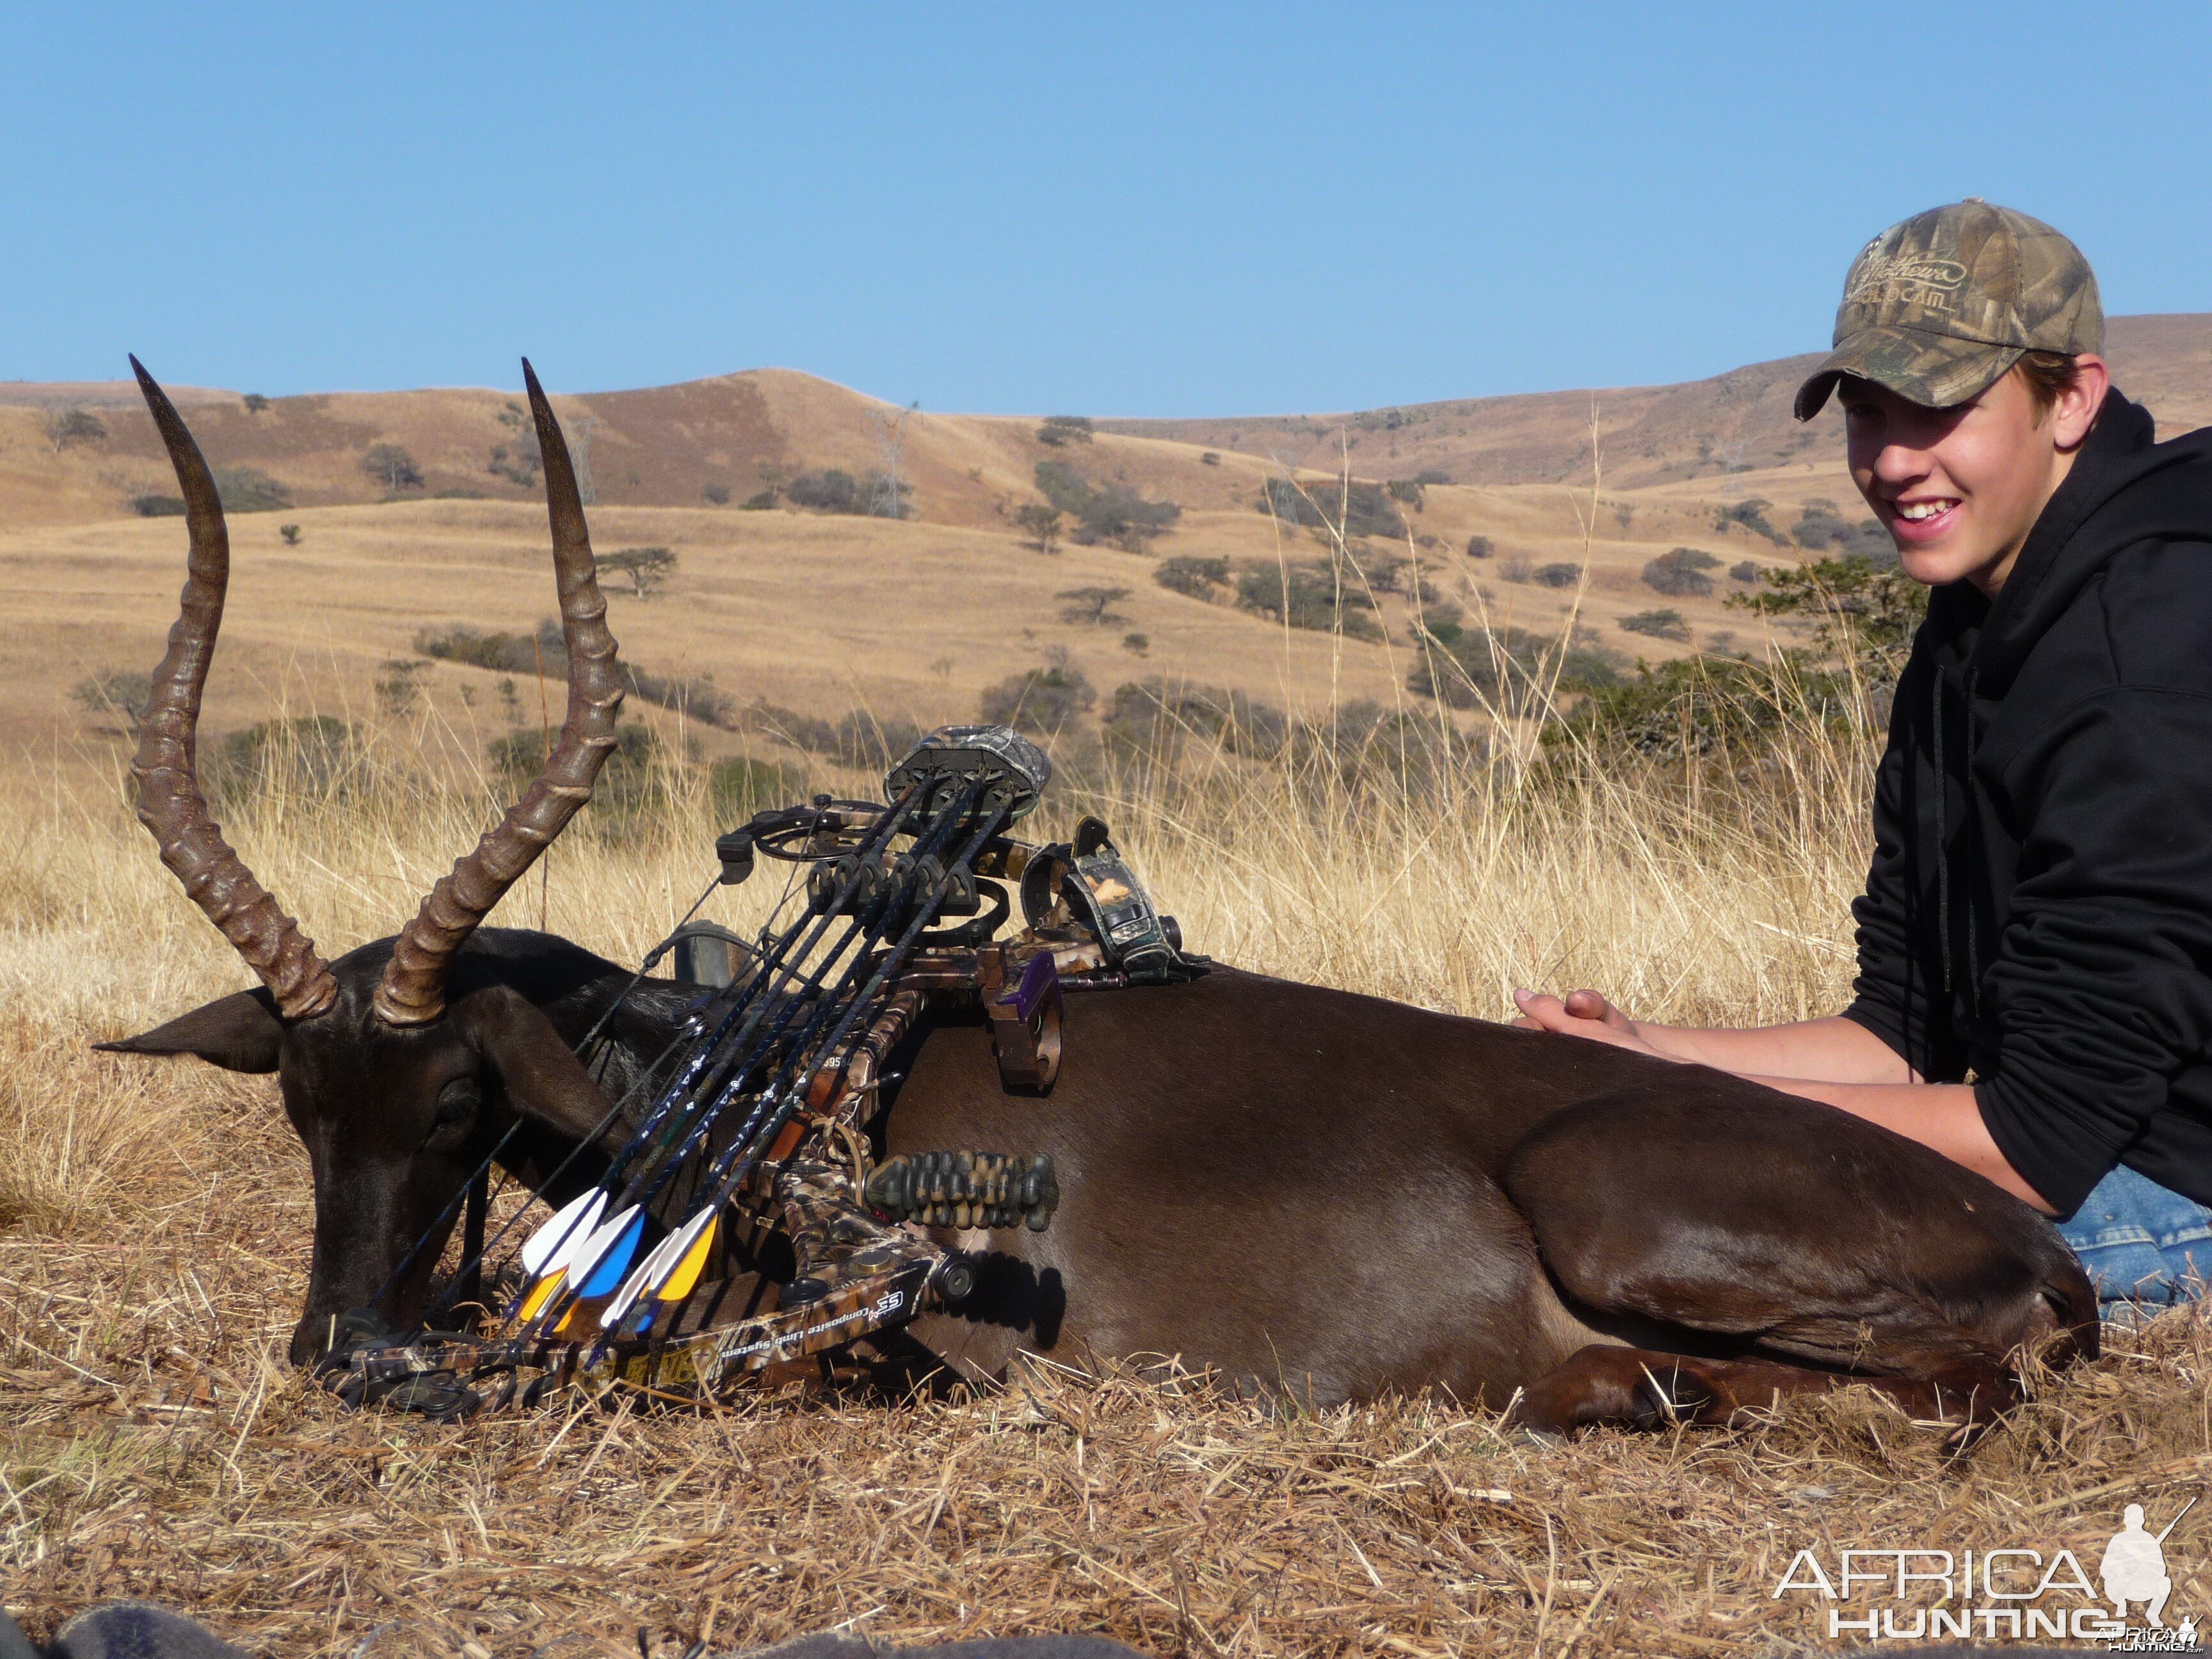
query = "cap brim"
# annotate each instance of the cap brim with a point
(1933, 370)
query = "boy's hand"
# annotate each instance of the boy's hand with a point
(1584, 1014)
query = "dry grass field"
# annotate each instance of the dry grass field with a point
(155, 1217)
(155, 1220)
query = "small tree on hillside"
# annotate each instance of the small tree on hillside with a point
(647, 568)
(74, 426)
(123, 692)
(392, 463)
(1060, 430)
(255, 403)
(1091, 607)
(1042, 525)
(1680, 574)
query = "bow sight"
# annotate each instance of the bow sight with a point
(753, 1129)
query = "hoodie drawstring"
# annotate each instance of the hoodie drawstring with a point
(1942, 831)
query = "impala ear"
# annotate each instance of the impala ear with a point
(543, 1077)
(240, 1033)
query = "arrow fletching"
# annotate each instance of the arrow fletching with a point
(651, 1272)
(678, 1283)
(570, 1225)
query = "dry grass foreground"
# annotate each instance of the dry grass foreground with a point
(155, 1221)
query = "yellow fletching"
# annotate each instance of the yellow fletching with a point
(677, 1285)
(534, 1303)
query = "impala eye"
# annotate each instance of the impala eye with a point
(458, 1101)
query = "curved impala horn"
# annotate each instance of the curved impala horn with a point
(170, 804)
(413, 989)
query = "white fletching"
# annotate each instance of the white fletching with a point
(582, 1261)
(570, 1225)
(649, 1273)
(652, 1273)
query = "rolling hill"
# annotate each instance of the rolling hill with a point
(913, 618)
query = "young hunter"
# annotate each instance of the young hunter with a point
(2038, 911)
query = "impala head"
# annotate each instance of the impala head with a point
(405, 1060)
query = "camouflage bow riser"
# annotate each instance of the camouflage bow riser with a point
(791, 1053)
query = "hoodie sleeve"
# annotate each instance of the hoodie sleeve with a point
(2102, 985)
(1894, 995)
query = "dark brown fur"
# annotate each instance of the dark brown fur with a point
(1315, 1192)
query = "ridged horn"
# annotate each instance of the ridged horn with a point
(170, 804)
(413, 989)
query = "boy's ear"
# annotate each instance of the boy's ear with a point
(2078, 406)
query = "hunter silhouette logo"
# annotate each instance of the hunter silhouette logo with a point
(2008, 1593)
(2134, 1567)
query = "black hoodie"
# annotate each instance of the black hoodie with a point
(2039, 907)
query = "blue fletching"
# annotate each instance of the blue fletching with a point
(615, 1264)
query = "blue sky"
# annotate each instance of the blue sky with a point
(1103, 209)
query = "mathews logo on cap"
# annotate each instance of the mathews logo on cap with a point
(1940, 306)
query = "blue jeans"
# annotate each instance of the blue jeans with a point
(2141, 1241)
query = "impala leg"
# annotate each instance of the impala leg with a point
(1789, 1245)
(1643, 1388)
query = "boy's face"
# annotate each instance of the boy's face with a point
(1959, 489)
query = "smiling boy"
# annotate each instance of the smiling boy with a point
(2038, 911)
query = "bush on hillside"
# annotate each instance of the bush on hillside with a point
(716, 494)
(1749, 513)
(1705, 707)
(1474, 666)
(633, 778)
(1745, 571)
(1819, 529)
(1311, 597)
(1060, 430)
(311, 757)
(122, 692)
(833, 489)
(249, 489)
(1112, 512)
(158, 507)
(1042, 701)
(1334, 507)
(518, 459)
(1563, 574)
(1681, 574)
(1481, 547)
(1150, 722)
(1658, 625)
(858, 739)
(546, 651)
(1194, 578)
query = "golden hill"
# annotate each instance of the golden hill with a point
(825, 611)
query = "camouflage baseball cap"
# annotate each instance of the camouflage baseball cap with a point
(1938, 307)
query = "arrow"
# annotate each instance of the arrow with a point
(571, 1224)
(684, 1248)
